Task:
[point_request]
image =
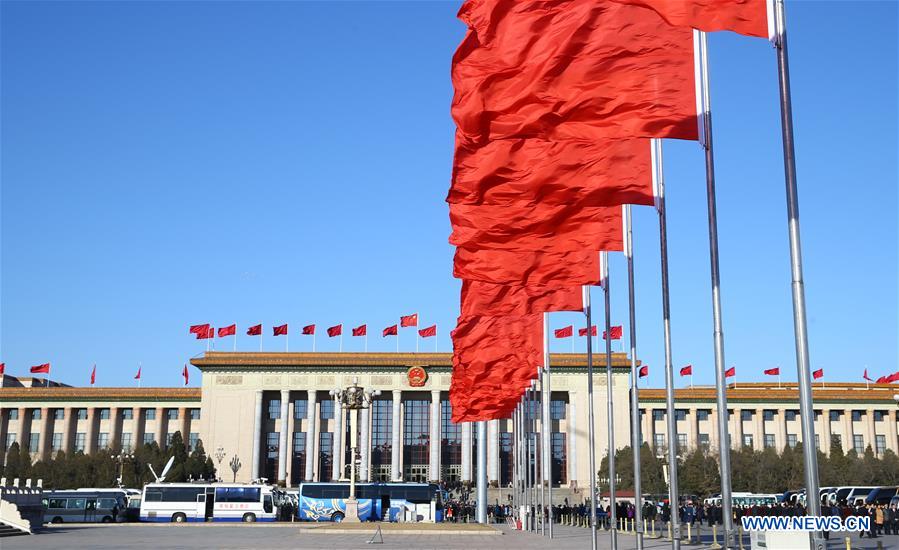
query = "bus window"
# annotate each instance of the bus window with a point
(76, 504)
(267, 505)
(57, 503)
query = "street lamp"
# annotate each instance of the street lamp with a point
(120, 458)
(353, 398)
(219, 457)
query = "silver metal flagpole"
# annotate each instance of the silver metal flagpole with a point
(533, 439)
(636, 437)
(700, 41)
(527, 458)
(539, 451)
(806, 407)
(481, 510)
(610, 413)
(547, 425)
(591, 436)
(673, 493)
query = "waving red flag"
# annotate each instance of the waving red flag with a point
(389, 331)
(644, 371)
(865, 376)
(2, 369)
(527, 267)
(818, 374)
(336, 330)
(480, 298)
(688, 370)
(747, 17)
(209, 332)
(773, 372)
(93, 375)
(137, 376)
(199, 330)
(616, 331)
(565, 332)
(508, 172)
(881, 380)
(281, 330)
(255, 330)
(409, 320)
(361, 330)
(428, 331)
(572, 69)
(185, 374)
(41, 369)
(730, 372)
(583, 331)
(230, 330)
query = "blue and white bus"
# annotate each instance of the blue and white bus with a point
(180, 502)
(377, 501)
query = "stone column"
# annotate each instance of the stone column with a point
(493, 450)
(434, 446)
(649, 427)
(291, 438)
(311, 436)
(572, 439)
(139, 422)
(257, 435)
(825, 439)
(90, 436)
(364, 444)
(738, 431)
(759, 429)
(184, 422)
(282, 438)
(713, 430)
(847, 430)
(694, 437)
(869, 420)
(892, 435)
(23, 429)
(67, 423)
(338, 448)
(466, 451)
(43, 446)
(396, 440)
(780, 434)
(161, 428)
(115, 430)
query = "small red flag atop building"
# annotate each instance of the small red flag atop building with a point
(199, 330)
(230, 330)
(41, 369)
(309, 330)
(137, 376)
(866, 377)
(389, 331)
(818, 374)
(730, 372)
(280, 330)
(616, 333)
(688, 370)
(644, 371)
(409, 320)
(93, 375)
(255, 330)
(205, 333)
(336, 330)
(565, 332)
(361, 330)
(773, 372)
(583, 331)
(2, 369)
(185, 374)
(428, 331)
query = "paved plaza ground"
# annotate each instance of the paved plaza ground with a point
(240, 536)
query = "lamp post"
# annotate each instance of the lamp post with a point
(120, 458)
(353, 398)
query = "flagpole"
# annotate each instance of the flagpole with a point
(658, 175)
(700, 46)
(416, 332)
(140, 372)
(591, 437)
(547, 423)
(341, 339)
(366, 339)
(235, 339)
(313, 340)
(806, 407)
(286, 342)
(261, 334)
(636, 437)
(610, 413)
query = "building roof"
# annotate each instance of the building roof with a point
(99, 394)
(773, 392)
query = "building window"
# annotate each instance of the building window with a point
(702, 414)
(557, 409)
(192, 441)
(127, 414)
(33, 442)
(680, 414)
(559, 457)
(790, 415)
(704, 441)
(745, 415)
(533, 409)
(148, 438)
(325, 453)
(14, 414)
(299, 408)
(10, 439)
(834, 416)
(104, 414)
(194, 414)
(171, 414)
(56, 442)
(506, 461)
(817, 441)
(769, 441)
(451, 443)
(168, 440)
(81, 414)
(126, 441)
(59, 414)
(103, 440)
(747, 440)
(149, 414)
(274, 409)
(880, 442)
(856, 416)
(682, 442)
(792, 440)
(659, 442)
(298, 459)
(416, 433)
(80, 438)
(878, 416)
(768, 415)
(858, 443)
(381, 431)
(327, 409)
(35, 414)
(658, 414)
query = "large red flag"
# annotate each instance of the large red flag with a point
(230, 330)
(93, 375)
(542, 227)
(41, 369)
(361, 330)
(336, 330)
(409, 320)
(579, 173)
(480, 298)
(572, 69)
(255, 330)
(686, 370)
(280, 330)
(616, 331)
(583, 331)
(308, 330)
(208, 333)
(527, 267)
(749, 17)
(389, 331)
(773, 372)
(428, 332)
(564, 332)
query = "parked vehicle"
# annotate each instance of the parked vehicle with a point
(376, 501)
(882, 495)
(85, 506)
(180, 502)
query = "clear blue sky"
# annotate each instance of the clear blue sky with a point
(172, 163)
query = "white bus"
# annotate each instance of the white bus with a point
(180, 502)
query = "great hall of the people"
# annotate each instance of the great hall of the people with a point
(276, 413)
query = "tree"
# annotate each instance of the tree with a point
(698, 473)
(200, 466)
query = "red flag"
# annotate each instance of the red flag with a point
(185, 374)
(572, 69)
(616, 333)
(686, 370)
(41, 369)
(516, 172)
(230, 330)
(773, 372)
(255, 330)
(480, 298)
(2, 369)
(893, 378)
(748, 17)
(199, 330)
(730, 372)
(409, 320)
(93, 375)
(428, 332)
(865, 376)
(389, 331)
(527, 267)
(565, 332)
(361, 330)
(308, 330)
(881, 380)
(137, 376)
(583, 331)
(560, 228)
(336, 330)
(208, 333)
(818, 374)
(644, 371)
(281, 330)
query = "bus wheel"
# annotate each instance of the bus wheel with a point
(249, 518)
(57, 519)
(179, 518)
(106, 519)
(337, 517)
